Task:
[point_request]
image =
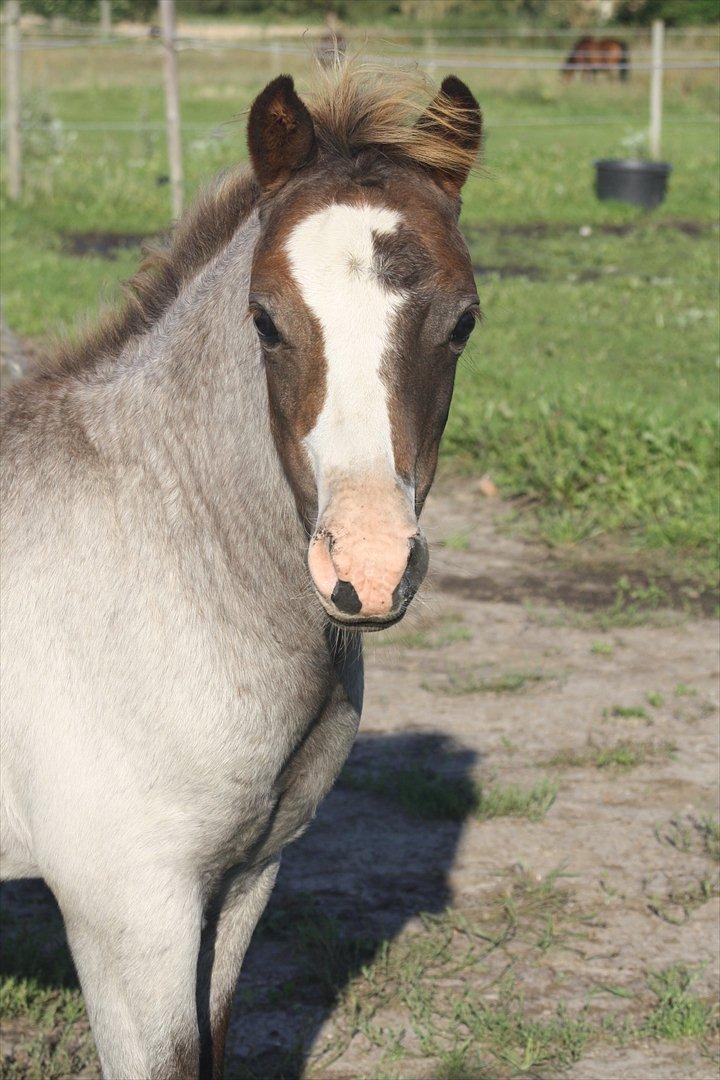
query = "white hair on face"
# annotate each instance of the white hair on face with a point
(331, 258)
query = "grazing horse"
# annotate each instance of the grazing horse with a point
(203, 503)
(590, 55)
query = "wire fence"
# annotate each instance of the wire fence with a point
(432, 50)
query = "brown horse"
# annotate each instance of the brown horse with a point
(590, 55)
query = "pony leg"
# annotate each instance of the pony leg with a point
(229, 927)
(137, 970)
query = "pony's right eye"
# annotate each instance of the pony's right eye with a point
(266, 328)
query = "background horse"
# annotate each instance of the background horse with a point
(590, 55)
(200, 502)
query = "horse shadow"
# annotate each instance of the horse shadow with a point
(378, 856)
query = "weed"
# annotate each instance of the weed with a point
(682, 899)
(678, 1014)
(697, 835)
(602, 648)
(625, 754)
(509, 682)
(629, 712)
(655, 700)
(427, 794)
(683, 690)
(457, 542)
(448, 630)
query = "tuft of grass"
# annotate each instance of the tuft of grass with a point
(426, 794)
(680, 900)
(447, 630)
(655, 700)
(683, 690)
(602, 648)
(509, 682)
(678, 1013)
(625, 754)
(629, 712)
(693, 835)
(456, 542)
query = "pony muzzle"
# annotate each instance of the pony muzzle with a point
(365, 582)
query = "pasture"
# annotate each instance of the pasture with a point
(517, 874)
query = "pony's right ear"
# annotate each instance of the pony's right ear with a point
(281, 136)
(453, 118)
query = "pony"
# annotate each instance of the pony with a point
(590, 55)
(205, 502)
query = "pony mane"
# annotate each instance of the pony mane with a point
(357, 105)
(354, 106)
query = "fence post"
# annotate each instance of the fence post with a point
(656, 75)
(172, 104)
(12, 91)
(105, 19)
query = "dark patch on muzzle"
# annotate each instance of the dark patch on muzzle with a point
(415, 572)
(346, 599)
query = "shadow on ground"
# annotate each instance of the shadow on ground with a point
(364, 870)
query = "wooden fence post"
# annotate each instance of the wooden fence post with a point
(12, 91)
(105, 19)
(172, 105)
(656, 76)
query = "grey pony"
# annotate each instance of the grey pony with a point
(174, 707)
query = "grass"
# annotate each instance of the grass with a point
(678, 1013)
(590, 389)
(623, 755)
(629, 712)
(458, 683)
(692, 834)
(423, 793)
(447, 630)
(406, 1003)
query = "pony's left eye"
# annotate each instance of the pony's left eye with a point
(266, 328)
(463, 329)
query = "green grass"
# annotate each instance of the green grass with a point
(423, 793)
(692, 834)
(590, 388)
(623, 755)
(458, 683)
(445, 998)
(678, 1013)
(446, 630)
(629, 712)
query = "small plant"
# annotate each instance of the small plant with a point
(426, 794)
(629, 712)
(699, 835)
(678, 1013)
(625, 754)
(602, 648)
(655, 700)
(508, 682)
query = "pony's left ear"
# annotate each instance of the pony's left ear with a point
(454, 118)
(281, 136)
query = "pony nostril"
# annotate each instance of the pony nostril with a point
(346, 599)
(415, 571)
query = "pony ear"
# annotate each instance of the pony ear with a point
(453, 117)
(281, 136)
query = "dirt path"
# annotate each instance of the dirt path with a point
(631, 837)
(522, 828)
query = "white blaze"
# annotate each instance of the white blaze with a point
(331, 258)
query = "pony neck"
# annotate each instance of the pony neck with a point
(189, 403)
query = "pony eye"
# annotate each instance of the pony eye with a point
(266, 328)
(463, 329)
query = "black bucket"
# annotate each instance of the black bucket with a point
(643, 183)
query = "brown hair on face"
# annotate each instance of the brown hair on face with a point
(354, 108)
